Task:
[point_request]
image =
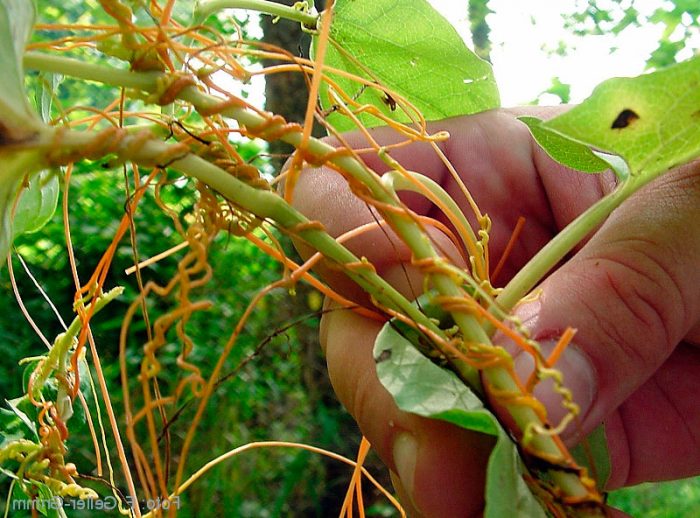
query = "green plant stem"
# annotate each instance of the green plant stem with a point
(554, 251)
(57, 359)
(145, 81)
(207, 8)
(425, 186)
(264, 204)
(498, 377)
(269, 205)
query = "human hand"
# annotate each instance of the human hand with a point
(631, 291)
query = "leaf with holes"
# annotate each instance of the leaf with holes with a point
(651, 121)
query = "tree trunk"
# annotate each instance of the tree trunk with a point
(286, 94)
(478, 10)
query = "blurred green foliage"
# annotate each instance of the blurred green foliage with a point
(676, 499)
(680, 20)
(265, 391)
(266, 399)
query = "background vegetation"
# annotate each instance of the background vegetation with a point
(277, 388)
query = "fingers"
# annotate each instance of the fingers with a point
(440, 467)
(654, 434)
(632, 293)
(323, 195)
(495, 157)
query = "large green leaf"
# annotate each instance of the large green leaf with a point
(421, 387)
(17, 121)
(410, 48)
(651, 121)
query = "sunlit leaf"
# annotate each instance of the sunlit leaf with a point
(564, 150)
(421, 387)
(17, 121)
(410, 48)
(651, 121)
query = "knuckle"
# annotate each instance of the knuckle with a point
(649, 301)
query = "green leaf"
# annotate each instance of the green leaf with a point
(14, 406)
(15, 424)
(29, 367)
(593, 453)
(42, 499)
(47, 88)
(16, 166)
(564, 150)
(37, 203)
(651, 121)
(411, 49)
(17, 120)
(46, 501)
(421, 387)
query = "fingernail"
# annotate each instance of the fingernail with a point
(578, 376)
(528, 311)
(405, 453)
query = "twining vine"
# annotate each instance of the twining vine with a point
(170, 113)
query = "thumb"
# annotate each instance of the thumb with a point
(632, 295)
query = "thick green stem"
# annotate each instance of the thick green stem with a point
(261, 203)
(207, 8)
(268, 205)
(264, 204)
(425, 186)
(552, 253)
(497, 377)
(145, 81)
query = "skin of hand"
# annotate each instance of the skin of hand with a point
(632, 291)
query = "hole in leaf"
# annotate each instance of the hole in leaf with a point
(624, 119)
(384, 356)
